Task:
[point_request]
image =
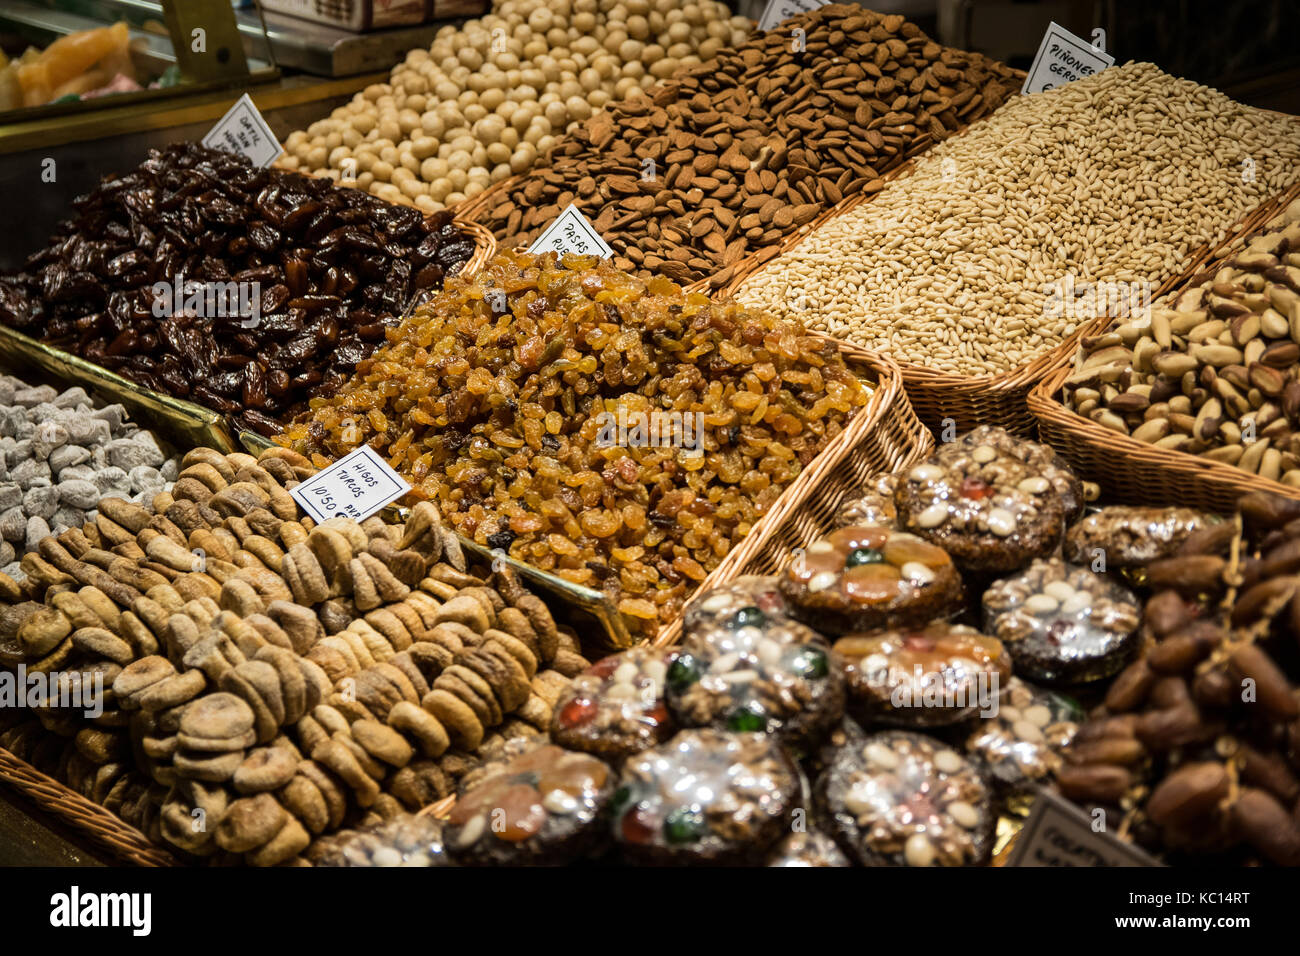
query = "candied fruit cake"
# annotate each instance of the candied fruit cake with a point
(616, 432)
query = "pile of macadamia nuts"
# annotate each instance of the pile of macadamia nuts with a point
(489, 98)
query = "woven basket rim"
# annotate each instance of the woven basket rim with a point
(887, 390)
(916, 443)
(1128, 453)
(98, 824)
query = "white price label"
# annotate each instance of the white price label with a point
(1058, 833)
(355, 486)
(572, 232)
(1063, 57)
(243, 130)
(778, 11)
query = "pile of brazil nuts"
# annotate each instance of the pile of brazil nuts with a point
(613, 431)
(1195, 750)
(735, 155)
(60, 456)
(490, 97)
(1216, 375)
(285, 678)
(1117, 177)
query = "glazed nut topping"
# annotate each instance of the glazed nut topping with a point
(1078, 607)
(916, 799)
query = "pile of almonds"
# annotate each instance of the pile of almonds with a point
(1196, 747)
(735, 155)
(1216, 375)
(283, 678)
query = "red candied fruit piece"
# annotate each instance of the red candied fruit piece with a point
(919, 642)
(483, 798)
(976, 489)
(604, 668)
(657, 715)
(523, 814)
(576, 712)
(638, 827)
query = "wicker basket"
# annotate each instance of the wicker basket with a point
(476, 207)
(886, 437)
(1132, 471)
(102, 827)
(969, 402)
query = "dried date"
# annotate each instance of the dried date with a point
(333, 269)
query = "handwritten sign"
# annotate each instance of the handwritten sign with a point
(1063, 57)
(355, 486)
(572, 232)
(778, 11)
(1058, 833)
(243, 130)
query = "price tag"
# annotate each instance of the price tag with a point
(1063, 57)
(778, 11)
(243, 130)
(1058, 833)
(572, 232)
(355, 486)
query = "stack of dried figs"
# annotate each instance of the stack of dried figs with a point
(216, 653)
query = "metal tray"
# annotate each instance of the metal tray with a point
(183, 423)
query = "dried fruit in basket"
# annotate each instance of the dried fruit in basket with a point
(614, 431)
(245, 290)
(1195, 750)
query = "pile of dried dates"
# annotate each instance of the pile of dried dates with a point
(1196, 748)
(245, 290)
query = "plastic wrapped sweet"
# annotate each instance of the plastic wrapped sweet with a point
(1038, 456)
(874, 505)
(811, 848)
(904, 799)
(731, 601)
(616, 707)
(405, 840)
(538, 804)
(769, 676)
(1131, 537)
(985, 504)
(1022, 744)
(937, 675)
(1062, 623)
(860, 578)
(705, 797)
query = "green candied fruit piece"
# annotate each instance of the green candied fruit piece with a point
(683, 672)
(684, 825)
(810, 663)
(750, 720)
(747, 617)
(863, 556)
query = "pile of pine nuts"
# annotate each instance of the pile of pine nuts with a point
(1114, 178)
